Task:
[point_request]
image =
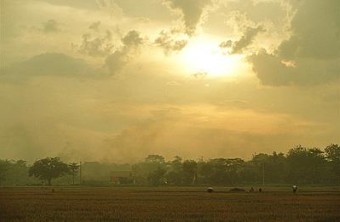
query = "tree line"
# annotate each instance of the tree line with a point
(300, 165)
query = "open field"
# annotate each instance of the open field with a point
(167, 204)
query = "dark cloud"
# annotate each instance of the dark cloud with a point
(96, 43)
(131, 43)
(166, 41)
(226, 44)
(191, 10)
(47, 64)
(246, 39)
(315, 31)
(149, 9)
(96, 46)
(244, 42)
(272, 70)
(259, 11)
(312, 54)
(132, 39)
(51, 26)
(95, 26)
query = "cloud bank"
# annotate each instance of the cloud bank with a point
(191, 11)
(311, 55)
(117, 60)
(47, 64)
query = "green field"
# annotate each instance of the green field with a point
(167, 204)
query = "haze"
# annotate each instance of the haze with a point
(121, 79)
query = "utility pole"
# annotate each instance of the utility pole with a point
(262, 174)
(80, 173)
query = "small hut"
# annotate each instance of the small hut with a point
(122, 177)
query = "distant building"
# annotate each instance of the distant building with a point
(122, 177)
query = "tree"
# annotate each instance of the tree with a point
(74, 167)
(189, 172)
(4, 167)
(269, 168)
(215, 171)
(234, 169)
(156, 167)
(306, 165)
(155, 159)
(150, 171)
(333, 156)
(48, 169)
(18, 174)
(156, 177)
(174, 174)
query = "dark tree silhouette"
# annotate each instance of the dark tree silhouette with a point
(189, 171)
(4, 166)
(48, 169)
(333, 156)
(74, 167)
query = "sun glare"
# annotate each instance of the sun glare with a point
(204, 56)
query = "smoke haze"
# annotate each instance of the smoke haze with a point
(104, 80)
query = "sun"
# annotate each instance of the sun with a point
(203, 55)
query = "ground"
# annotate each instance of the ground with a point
(167, 204)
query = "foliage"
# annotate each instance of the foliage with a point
(305, 165)
(174, 173)
(189, 172)
(301, 165)
(14, 173)
(333, 156)
(156, 177)
(4, 167)
(48, 169)
(151, 171)
(73, 167)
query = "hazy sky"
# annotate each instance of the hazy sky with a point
(117, 80)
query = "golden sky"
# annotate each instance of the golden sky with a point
(116, 80)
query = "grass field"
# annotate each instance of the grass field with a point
(167, 204)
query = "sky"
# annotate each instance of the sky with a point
(117, 80)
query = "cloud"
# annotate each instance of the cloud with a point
(51, 26)
(48, 64)
(272, 70)
(244, 42)
(259, 10)
(131, 43)
(132, 39)
(226, 44)
(191, 10)
(313, 37)
(166, 41)
(200, 75)
(96, 43)
(147, 9)
(312, 53)
(96, 46)
(95, 26)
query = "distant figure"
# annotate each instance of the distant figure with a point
(251, 190)
(294, 187)
(260, 190)
(210, 189)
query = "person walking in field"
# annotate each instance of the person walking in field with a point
(294, 187)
